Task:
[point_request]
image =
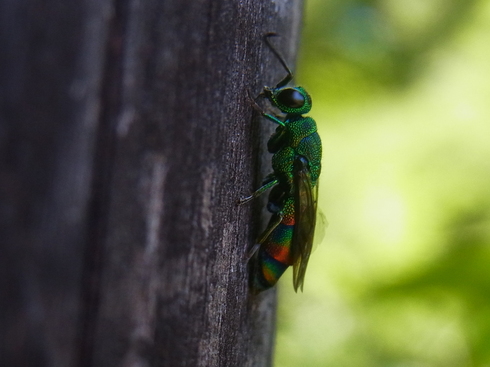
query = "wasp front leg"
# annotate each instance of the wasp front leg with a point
(275, 119)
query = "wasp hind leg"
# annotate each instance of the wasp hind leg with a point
(275, 221)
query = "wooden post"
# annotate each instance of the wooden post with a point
(126, 139)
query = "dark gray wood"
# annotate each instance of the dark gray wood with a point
(126, 139)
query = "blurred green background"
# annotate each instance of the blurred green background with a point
(401, 93)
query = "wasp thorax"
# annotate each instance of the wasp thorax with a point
(291, 98)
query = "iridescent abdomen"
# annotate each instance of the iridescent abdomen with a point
(274, 255)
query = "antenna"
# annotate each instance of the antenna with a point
(289, 76)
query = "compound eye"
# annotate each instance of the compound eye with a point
(291, 98)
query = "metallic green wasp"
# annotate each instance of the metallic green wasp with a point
(296, 163)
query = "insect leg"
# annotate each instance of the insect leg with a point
(268, 116)
(252, 251)
(277, 219)
(273, 118)
(268, 183)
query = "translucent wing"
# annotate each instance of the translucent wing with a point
(320, 227)
(305, 220)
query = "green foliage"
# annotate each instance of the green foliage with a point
(400, 93)
(356, 47)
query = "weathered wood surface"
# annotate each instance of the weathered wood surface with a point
(126, 139)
